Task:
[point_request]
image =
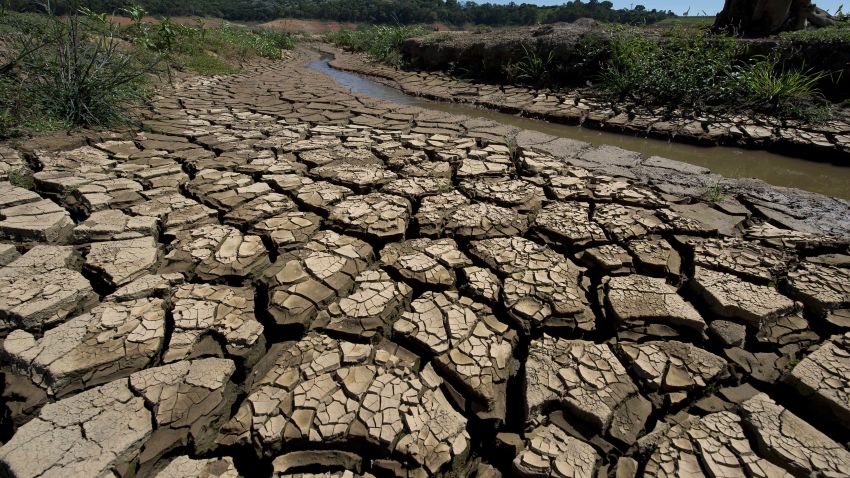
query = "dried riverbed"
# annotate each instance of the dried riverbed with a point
(278, 277)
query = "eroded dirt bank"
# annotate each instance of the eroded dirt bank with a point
(280, 278)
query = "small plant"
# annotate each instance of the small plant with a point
(712, 388)
(687, 70)
(207, 64)
(479, 29)
(532, 69)
(71, 71)
(513, 148)
(20, 178)
(715, 192)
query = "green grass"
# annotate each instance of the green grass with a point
(81, 71)
(205, 63)
(532, 68)
(437, 38)
(699, 21)
(715, 192)
(837, 34)
(382, 43)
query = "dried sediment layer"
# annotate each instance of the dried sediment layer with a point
(286, 276)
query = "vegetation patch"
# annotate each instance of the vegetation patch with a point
(694, 72)
(382, 43)
(80, 70)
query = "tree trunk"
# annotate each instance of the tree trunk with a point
(763, 17)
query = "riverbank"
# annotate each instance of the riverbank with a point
(730, 162)
(827, 140)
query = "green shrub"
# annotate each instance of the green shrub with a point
(20, 178)
(686, 70)
(382, 43)
(768, 85)
(438, 38)
(767, 81)
(177, 41)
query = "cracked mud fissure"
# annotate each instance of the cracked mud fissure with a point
(278, 277)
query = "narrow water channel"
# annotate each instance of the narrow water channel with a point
(824, 178)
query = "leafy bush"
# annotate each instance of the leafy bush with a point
(382, 43)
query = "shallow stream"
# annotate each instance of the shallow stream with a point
(772, 168)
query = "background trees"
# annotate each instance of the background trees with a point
(454, 12)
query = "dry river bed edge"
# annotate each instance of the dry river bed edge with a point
(279, 278)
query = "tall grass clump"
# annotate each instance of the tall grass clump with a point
(767, 84)
(532, 68)
(382, 43)
(68, 71)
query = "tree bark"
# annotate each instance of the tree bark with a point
(756, 18)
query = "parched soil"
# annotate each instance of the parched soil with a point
(278, 278)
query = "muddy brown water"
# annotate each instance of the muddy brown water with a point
(775, 169)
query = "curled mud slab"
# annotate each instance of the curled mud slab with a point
(280, 278)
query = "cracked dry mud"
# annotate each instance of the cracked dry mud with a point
(280, 278)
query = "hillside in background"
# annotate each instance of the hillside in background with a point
(381, 11)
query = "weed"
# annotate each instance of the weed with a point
(532, 69)
(769, 85)
(71, 71)
(715, 192)
(685, 70)
(20, 178)
(445, 186)
(67, 192)
(479, 29)
(513, 148)
(712, 388)
(692, 71)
